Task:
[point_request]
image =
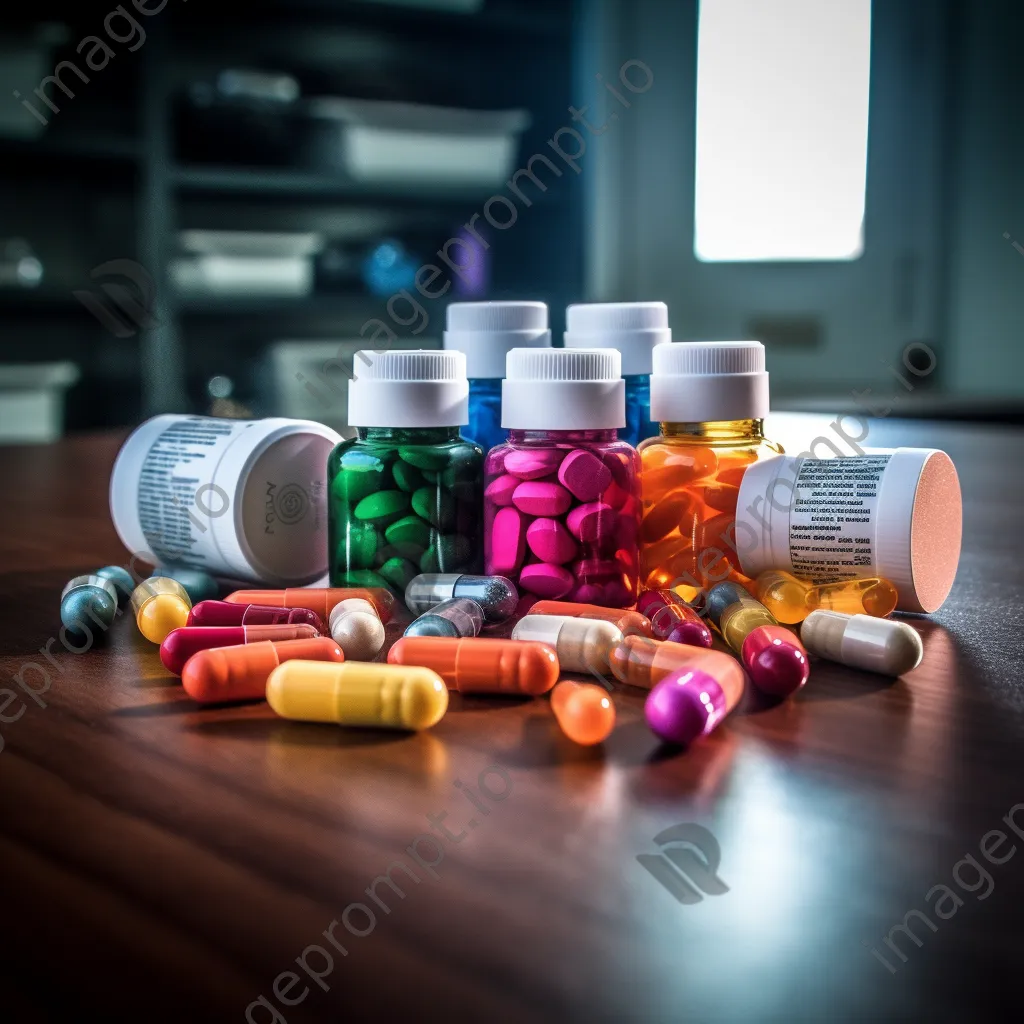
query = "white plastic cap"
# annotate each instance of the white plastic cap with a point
(563, 389)
(704, 381)
(487, 331)
(408, 388)
(634, 328)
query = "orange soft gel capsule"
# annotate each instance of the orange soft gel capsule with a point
(584, 711)
(224, 674)
(480, 665)
(630, 623)
(638, 661)
(318, 599)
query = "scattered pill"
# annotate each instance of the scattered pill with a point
(740, 618)
(225, 674)
(628, 622)
(688, 704)
(364, 694)
(318, 599)
(160, 604)
(226, 613)
(199, 585)
(88, 605)
(719, 597)
(480, 665)
(775, 660)
(124, 582)
(356, 628)
(783, 595)
(582, 645)
(584, 711)
(457, 617)
(885, 646)
(638, 661)
(870, 596)
(180, 644)
(673, 619)
(496, 595)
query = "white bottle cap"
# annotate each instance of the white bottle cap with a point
(705, 381)
(487, 331)
(634, 328)
(906, 530)
(563, 389)
(408, 388)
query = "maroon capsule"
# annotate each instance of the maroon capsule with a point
(226, 613)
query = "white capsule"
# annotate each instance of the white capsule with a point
(582, 645)
(885, 646)
(357, 629)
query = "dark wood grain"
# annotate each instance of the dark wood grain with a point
(162, 862)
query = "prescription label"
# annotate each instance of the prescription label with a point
(832, 520)
(177, 499)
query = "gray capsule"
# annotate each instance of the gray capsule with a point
(459, 617)
(496, 595)
(88, 605)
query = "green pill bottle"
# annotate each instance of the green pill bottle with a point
(406, 493)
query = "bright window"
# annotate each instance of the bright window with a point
(782, 129)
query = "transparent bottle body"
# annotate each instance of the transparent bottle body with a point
(402, 502)
(561, 525)
(691, 478)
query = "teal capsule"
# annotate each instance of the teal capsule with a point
(382, 507)
(88, 605)
(431, 459)
(436, 506)
(199, 585)
(122, 579)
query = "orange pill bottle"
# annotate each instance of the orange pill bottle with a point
(709, 399)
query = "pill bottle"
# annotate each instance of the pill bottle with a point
(634, 328)
(405, 493)
(710, 400)
(889, 513)
(244, 499)
(485, 332)
(561, 499)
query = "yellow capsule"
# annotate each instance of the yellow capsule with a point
(358, 693)
(783, 595)
(871, 596)
(160, 604)
(740, 618)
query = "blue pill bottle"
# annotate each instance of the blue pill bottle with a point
(634, 328)
(486, 332)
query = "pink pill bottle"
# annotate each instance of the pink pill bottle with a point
(562, 495)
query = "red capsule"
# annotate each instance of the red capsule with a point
(776, 660)
(180, 644)
(227, 613)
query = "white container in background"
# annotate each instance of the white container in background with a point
(890, 513)
(239, 498)
(32, 401)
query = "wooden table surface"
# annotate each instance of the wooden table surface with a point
(161, 862)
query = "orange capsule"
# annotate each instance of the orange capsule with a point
(240, 673)
(638, 661)
(318, 599)
(481, 665)
(584, 711)
(666, 514)
(629, 623)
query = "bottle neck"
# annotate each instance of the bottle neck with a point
(409, 435)
(716, 430)
(547, 436)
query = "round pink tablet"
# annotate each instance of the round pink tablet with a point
(546, 580)
(591, 521)
(540, 498)
(508, 542)
(499, 490)
(531, 463)
(550, 541)
(584, 474)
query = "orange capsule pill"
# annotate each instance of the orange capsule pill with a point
(666, 514)
(630, 623)
(584, 711)
(638, 661)
(481, 665)
(318, 599)
(240, 673)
